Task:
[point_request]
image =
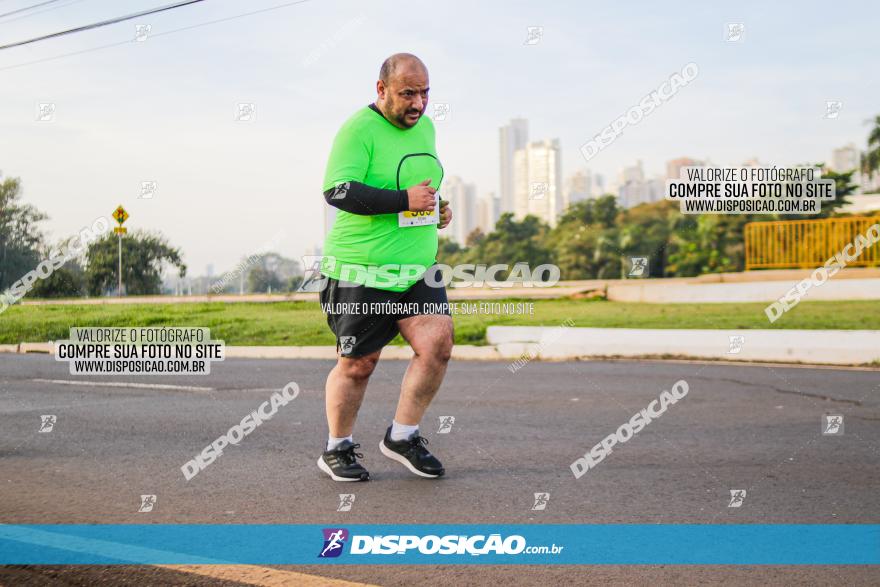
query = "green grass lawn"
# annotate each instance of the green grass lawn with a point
(302, 323)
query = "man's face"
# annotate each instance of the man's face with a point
(406, 96)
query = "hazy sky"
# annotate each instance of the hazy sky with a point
(163, 109)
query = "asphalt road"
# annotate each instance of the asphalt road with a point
(756, 428)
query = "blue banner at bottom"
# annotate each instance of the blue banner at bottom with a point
(552, 544)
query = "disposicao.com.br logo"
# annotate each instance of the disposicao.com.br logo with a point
(334, 541)
(451, 544)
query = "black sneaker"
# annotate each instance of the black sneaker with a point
(341, 463)
(412, 454)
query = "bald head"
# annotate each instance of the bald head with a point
(402, 89)
(400, 61)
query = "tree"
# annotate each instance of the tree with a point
(68, 281)
(708, 243)
(514, 242)
(871, 160)
(20, 237)
(843, 187)
(144, 256)
(293, 283)
(446, 247)
(261, 279)
(475, 237)
(584, 242)
(606, 210)
(645, 231)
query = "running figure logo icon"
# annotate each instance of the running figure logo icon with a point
(148, 190)
(47, 423)
(541, 500)
(346, 500)
(142, 31)
(735, 32)
(148, 502)
(446, 423)
(441, 111)
(246, 112)
(638, 267)
(346, 344)
(313, 279)
(339, 192)
(832, 425)
(46, 112)
(832, 109)
(334, 541)
(737, 496)
(534, 35)
(736, 344)
(538, 190)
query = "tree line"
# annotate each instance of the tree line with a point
(596, 238)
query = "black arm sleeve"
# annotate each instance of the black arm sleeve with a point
(358, 198)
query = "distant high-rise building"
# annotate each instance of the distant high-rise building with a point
(633, 173)
(538, 188)
(849, 158)
(845, 158)
(463, 200)
(673, 168)
(577, 188)
(633, 189)
(513, 137)
(488, 212)
(583, 185)
(314, 250)
(597, 185)
(209, 270)
(629, 182)
(520, 184)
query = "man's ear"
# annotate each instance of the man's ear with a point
(380, 89)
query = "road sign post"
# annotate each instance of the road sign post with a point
(120, 215)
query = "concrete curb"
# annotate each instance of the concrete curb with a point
(764, 291)
(834, 347)
(521, 344)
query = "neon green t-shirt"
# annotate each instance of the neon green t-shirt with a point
(370, 250)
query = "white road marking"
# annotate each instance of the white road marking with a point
(125, 384)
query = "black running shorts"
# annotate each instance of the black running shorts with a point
(364, 319)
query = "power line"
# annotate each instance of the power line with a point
(101, 24)
(22, 17)
(152, 35)
(26, 8)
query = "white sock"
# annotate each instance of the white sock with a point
(402, 431)
(333, 442)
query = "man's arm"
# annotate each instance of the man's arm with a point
(344, 186)
(359, 198)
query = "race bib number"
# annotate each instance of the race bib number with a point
(407, 218)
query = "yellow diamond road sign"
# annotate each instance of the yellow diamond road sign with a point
(120, 215)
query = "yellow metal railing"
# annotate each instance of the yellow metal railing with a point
(788, 244)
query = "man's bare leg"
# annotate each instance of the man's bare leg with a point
(346, 385)
(430, 337)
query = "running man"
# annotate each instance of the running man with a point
(383, 175)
